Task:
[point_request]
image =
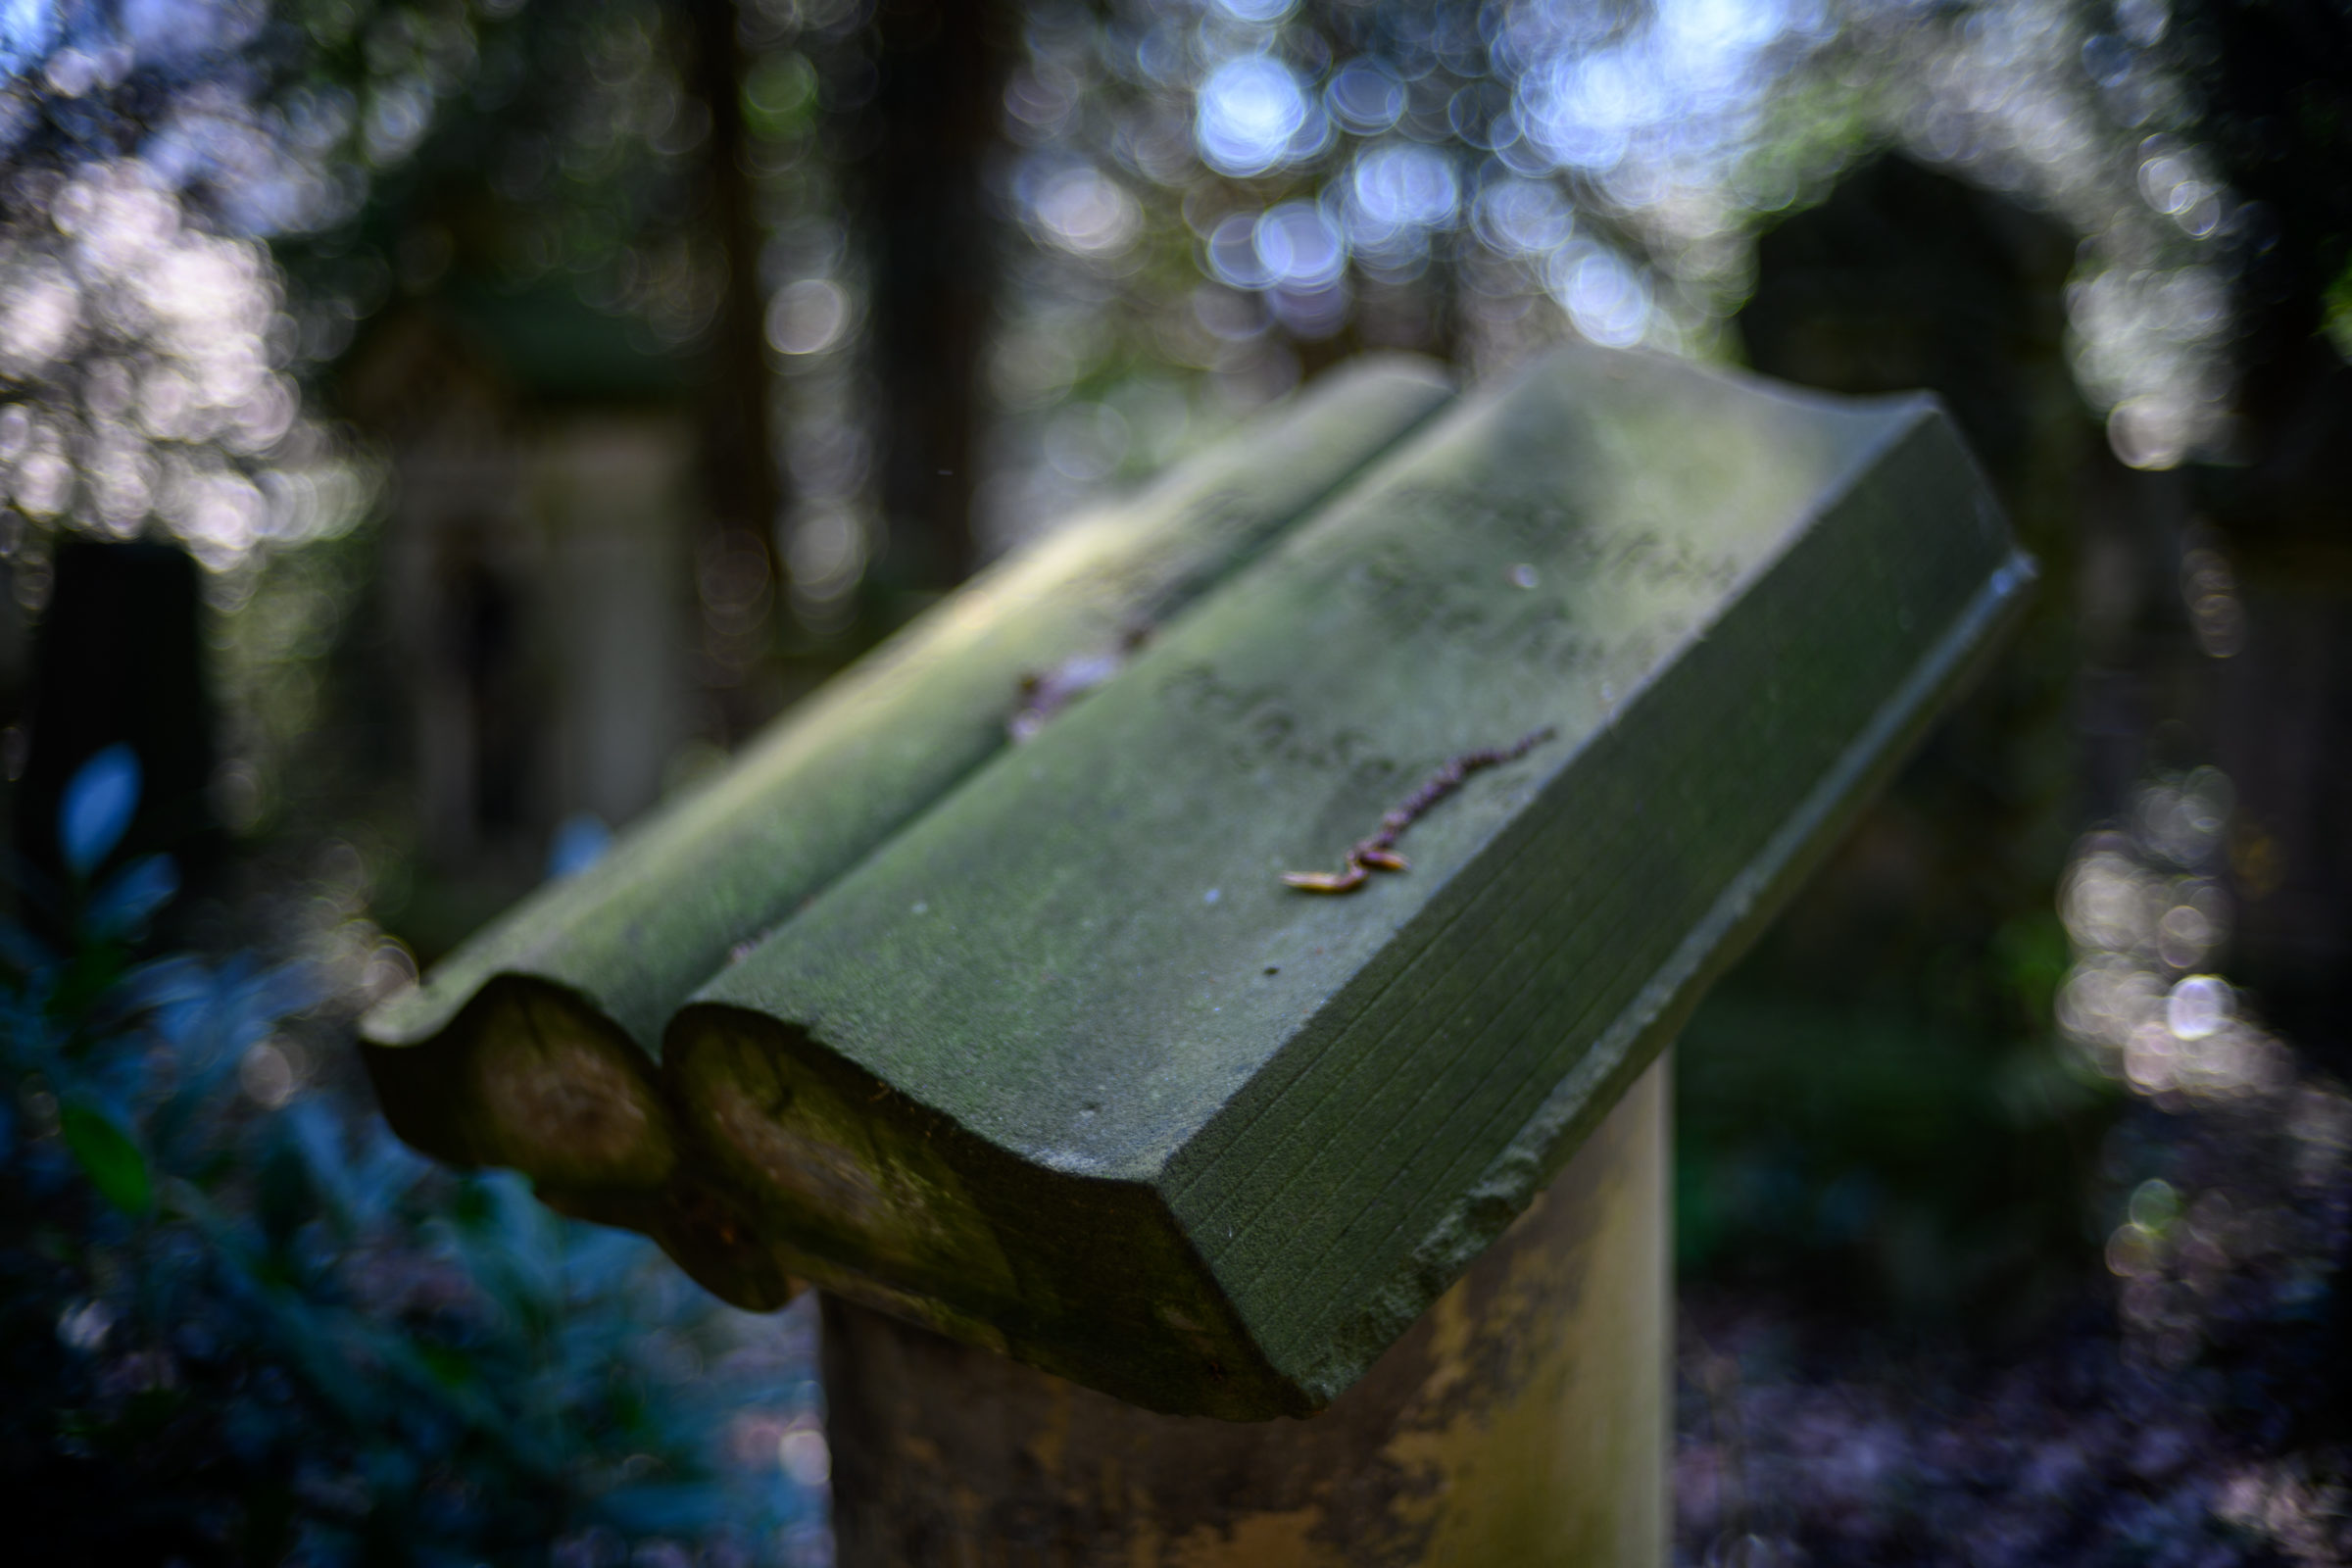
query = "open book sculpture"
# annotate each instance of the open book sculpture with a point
(1036, 1044)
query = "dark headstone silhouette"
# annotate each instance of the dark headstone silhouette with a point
(1910, 279)
(1906, 277)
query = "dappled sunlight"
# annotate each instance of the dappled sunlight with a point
(550, 394)
(2146, 909)
(1557, 168)
(149, 363)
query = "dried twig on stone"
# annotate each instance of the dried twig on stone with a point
(1378, 852)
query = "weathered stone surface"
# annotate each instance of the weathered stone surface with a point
(1063, 1068)
(1523, 1419)
(533, 1045)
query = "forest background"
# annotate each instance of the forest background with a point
(432, 432)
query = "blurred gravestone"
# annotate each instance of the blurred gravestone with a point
(119, 657)
(1928, 934)
(1908, 279)
(538, 580)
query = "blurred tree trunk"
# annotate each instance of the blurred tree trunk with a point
(916, 186)
(741, 485)
(2274, 111)
(745, 491)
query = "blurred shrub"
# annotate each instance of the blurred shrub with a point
(241, 1325)
(1919, 1148)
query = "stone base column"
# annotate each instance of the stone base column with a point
(1522, 1421)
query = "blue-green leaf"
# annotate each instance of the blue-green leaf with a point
(99, 802)
(108, 1156)
(131, 895)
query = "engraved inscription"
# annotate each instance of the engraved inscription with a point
(1457, 603)
(1649, 554)
(1266, 729)
(1182, 557)
(1416, 597)
(1460, 605)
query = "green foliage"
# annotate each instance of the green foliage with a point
(233, 1333)
(107, 1157)
(2338, 309)
(1884, 1153)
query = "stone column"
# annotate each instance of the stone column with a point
(1523, 1420)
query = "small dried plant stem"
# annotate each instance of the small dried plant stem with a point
(1378, 852)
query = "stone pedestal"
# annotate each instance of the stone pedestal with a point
(1524, 1420)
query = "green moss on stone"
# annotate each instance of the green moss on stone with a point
(625, 942)
(1733, 606)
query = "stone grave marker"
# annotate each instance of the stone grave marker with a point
(1191, 1050)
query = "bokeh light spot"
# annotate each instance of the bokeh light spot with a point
(1254, 114)
(807, 316)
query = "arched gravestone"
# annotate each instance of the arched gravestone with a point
(1053, 1058)
(1924, 935)
(1906, 277)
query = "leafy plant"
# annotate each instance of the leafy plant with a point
(242, 1325)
